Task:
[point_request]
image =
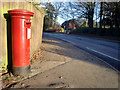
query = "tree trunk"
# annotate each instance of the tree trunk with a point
(90, 16)
(96, 17)
(116, 16)
(90, 21)
(55, 19)
(101, 12)
(104, 20)
(86, 22)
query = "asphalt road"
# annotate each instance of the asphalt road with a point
(107, 50)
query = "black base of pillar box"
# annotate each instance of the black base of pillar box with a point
(21, 71)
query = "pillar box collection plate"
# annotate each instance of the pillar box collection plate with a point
(21, 35)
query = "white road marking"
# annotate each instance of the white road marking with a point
(69, 41)
(103, 54)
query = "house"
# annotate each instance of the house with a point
(71, 24)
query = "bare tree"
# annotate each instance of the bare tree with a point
(58, 7)
(85, 10)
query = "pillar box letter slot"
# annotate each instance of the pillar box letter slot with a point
(21, 34)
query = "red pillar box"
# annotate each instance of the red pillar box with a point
(21, 35)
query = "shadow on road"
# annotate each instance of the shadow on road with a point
(72, 52)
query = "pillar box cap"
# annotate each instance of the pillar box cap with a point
(20, 11)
